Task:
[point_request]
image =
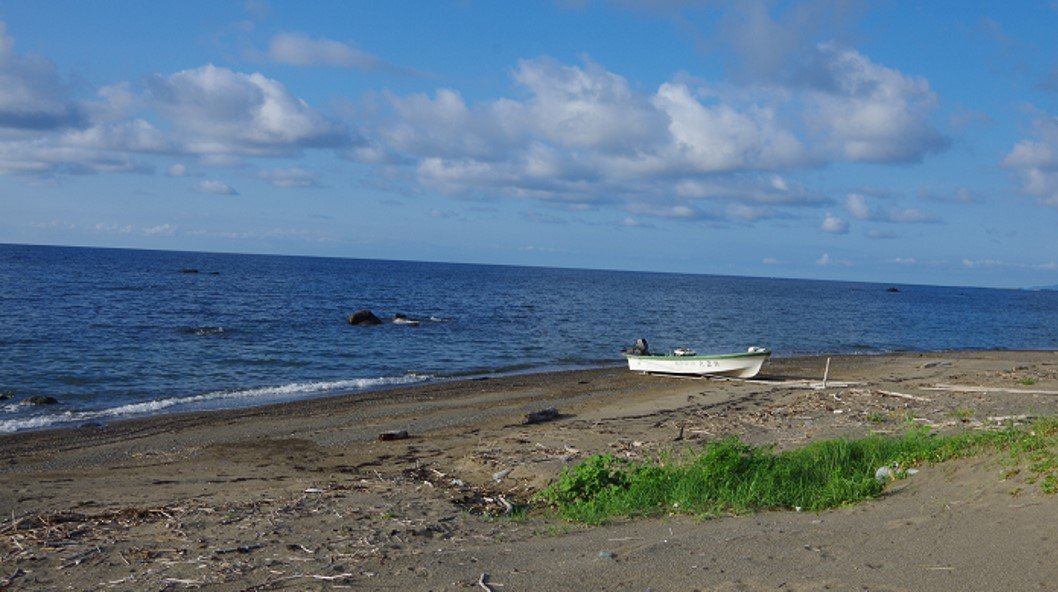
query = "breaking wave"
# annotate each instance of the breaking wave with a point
(212, 400)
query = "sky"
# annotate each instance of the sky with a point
(892, 141)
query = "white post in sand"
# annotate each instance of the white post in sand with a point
(825, 373)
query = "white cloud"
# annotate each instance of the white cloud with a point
(32, 96)
(290, 178)
(585, 107)
(213, 186)
(133, 136)
(113, 228)
(160, 230)
(834, 224)
(218, 111)
(630, 222)
(583, 135)
(995, 263)
(858, 208)
(825, 259)
(874, 113)
(177, 170)
(1035, 160)
(301, 50)
(717, 137)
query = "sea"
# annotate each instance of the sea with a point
(115, 333)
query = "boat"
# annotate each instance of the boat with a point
(688, 362)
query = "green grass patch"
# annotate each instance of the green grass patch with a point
(1028, 381)
(729, 476)
(962, 413)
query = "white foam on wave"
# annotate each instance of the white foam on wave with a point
(211, 400)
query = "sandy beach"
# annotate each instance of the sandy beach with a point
(304, 496)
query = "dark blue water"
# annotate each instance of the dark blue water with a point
(118, 333)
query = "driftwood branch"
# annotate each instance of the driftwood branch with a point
(483, 582)
(904, 396)
(986, 389)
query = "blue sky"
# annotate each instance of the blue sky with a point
(897, 142)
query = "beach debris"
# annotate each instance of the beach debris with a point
(986, 389)
(5, 582)
(607, 555)
(364, 317)
(541, 416)
(508, 507)
(499, 475)
(239, 549)
(903, 396)
(884, 474)
(393, 435)
(680, 436)
(939, 364)
(483, 582)
(1012, 418)
(313, 490)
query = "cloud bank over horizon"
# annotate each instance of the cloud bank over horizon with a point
(785, 119)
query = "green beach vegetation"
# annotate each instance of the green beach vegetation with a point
(731, 477)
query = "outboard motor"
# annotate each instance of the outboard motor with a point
(641, 348)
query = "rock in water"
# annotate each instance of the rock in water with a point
(364, 317)
(40, 400)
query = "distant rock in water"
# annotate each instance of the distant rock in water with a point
(188, 270)
(201, 331)
(402, 319)
(364, 317)
(892, 289)
(40, 400)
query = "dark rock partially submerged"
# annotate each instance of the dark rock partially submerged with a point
(40, 400)
(364, 317)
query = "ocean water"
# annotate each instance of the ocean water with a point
(115, 333)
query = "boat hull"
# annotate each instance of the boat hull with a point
(745, 365)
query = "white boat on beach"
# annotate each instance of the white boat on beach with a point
(688, 362)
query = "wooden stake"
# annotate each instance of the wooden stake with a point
(826, 373)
